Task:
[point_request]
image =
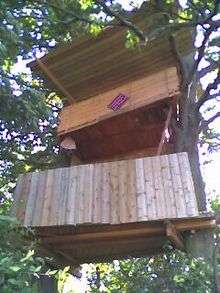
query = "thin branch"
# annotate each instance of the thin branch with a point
(194, 6)
(73, 14)
(122, 20)
(206, 95)
(212, 66)
(212, 119)
(205, 123)
(214, 12)
(201, 52)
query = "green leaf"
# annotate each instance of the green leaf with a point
(15, 268)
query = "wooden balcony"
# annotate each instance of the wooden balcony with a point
(109, 210)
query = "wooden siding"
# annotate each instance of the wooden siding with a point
(141, 92)
(130, 135)
(111, 193)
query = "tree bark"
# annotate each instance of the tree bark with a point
(187, 124)
(187, 141)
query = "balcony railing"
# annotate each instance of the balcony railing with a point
(112, 193)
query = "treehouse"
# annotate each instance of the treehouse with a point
(125, 191)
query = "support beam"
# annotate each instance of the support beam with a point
(174, 236)
(54, 79)
(167, 122)
(145, 230)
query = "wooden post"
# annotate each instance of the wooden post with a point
(174, 236)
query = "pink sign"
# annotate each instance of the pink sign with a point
(118, 102)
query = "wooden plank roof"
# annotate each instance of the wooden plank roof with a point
(93, 65)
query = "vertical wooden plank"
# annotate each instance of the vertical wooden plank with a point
(55, 198)
(16, 197)
(81, 193)
(77, 195)
(48, 202)
(177, 186)
(114, 190)
(22, 202)
(140, 191)
(170, 202)
(159, 191)
(122, 194)
(88, 198)
(150, 190)
(131, 191)
(63, 196)
(105, 204)
(188, 186)
(71, 200)
(32, 198)
(97, 182)
(37, 213)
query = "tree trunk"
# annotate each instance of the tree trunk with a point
(187, 123)
(187, 141)
(46, 284)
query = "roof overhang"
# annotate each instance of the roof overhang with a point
(92, 65)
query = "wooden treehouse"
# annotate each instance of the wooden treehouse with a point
(126, 191)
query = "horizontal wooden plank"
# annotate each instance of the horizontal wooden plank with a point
(141, 92)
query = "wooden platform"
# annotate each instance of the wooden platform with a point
(72, 245)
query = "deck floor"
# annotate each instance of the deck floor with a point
(73, 245)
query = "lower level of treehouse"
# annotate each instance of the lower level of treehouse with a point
(98, 212)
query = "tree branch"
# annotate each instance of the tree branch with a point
(214, 25)
(73, 14)
(205, 123)
(122, 20)
(212, 66)
(206, 95)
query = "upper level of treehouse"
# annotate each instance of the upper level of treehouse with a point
(117, 100)
(122, 199)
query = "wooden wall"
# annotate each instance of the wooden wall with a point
(116, 192)
(141, 92)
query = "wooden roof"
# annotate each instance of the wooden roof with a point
(93, 65)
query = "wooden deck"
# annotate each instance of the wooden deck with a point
(112, 193)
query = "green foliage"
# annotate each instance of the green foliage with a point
(62, 276)
(131, 40)
(172, 271)
(18, 264)
(215, 204)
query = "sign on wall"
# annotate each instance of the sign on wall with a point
(118, 102)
